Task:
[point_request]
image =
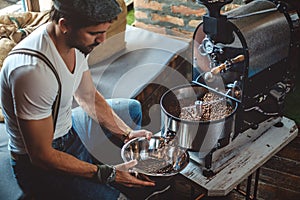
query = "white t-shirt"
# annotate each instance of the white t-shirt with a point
(29, 87)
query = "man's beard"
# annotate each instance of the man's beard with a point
(87, 49)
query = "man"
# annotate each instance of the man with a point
(53, 163)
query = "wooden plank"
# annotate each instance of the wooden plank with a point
(248, 159)
(292, 152)
(289, 166)
(269, 191)
(281, 179)
(221, 156)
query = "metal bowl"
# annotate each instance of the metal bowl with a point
(156, 157)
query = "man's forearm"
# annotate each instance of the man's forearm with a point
(55, 160)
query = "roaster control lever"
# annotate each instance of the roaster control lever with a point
(224, 66)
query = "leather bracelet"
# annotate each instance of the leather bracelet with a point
(105, 173)
(112, 176)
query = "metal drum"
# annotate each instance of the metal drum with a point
(195, 135)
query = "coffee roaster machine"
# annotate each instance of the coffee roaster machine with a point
(249, 56)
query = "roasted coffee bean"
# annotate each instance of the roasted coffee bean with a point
(213, 107)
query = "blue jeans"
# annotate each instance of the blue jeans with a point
(54, 185)
(104, 146)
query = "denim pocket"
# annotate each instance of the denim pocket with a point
(64, 142)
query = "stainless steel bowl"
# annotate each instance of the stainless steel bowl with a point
(156, 157)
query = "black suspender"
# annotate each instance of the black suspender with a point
(31, 52)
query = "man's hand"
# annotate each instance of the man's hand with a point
(124, 177)
(138, 133)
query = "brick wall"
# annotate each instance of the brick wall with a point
(172, 17)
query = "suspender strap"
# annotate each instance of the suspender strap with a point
(31, 52)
